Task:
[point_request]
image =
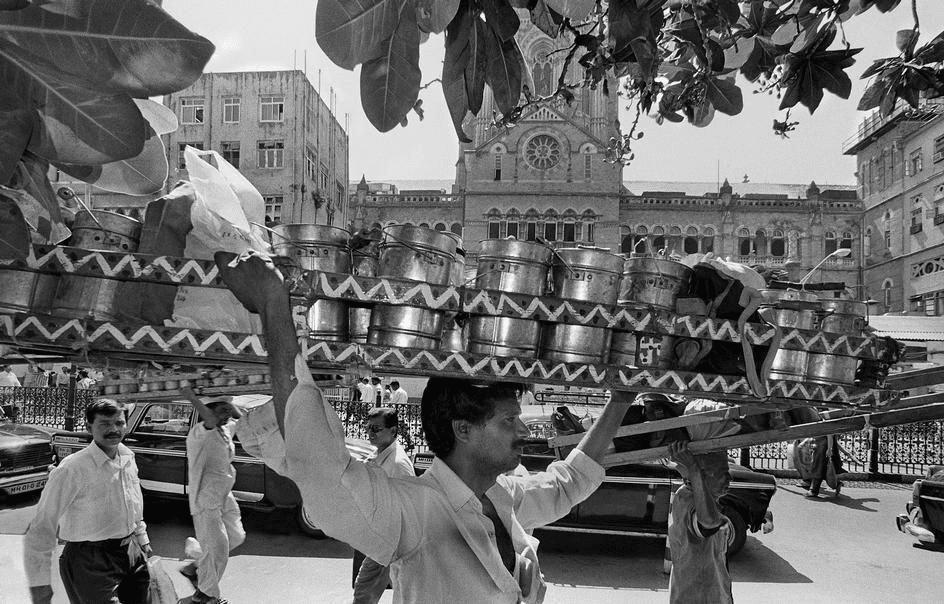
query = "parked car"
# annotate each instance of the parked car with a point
(157, 433)
(25, 455)
(634, 498)
(924, 517)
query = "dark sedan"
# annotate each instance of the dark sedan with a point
(25, 456)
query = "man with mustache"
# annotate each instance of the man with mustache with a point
(459, 532)
(92, 502)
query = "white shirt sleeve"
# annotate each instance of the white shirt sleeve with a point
(40, 539)
(544, 497)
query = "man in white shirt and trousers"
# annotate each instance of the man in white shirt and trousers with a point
(459, 532)
(382, 431)
(211, 476)
(93, 502)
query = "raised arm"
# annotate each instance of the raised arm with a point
(707, 512)
(598, 438)
(206, 414)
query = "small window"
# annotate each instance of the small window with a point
(311, 165)
(531, 231)
(846, 242)
(587, 166)
(191, 111)
(167, 418)
(513, 229)
(570, 231)
(915, 162)
(324, 177)
(550, 231)
(938, 149)
(498, 165)
(778, 248)
(181, 162)
(231, 110)
(271, 154)
(273, 207)
(494, 229)
(230, 152)
(271, 108)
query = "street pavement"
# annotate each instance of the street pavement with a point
(836, 551)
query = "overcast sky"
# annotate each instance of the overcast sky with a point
(252, 35)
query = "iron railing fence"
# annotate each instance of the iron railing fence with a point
(906, 449)
(46, 406)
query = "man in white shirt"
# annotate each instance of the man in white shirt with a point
(382, 431)
(210, 480)
(398, 395)
(7, 377)
(455, 534)
(366, 391)
(92, 502)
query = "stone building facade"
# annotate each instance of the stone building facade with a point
(900, 177)
(548, 177)
(277, 130)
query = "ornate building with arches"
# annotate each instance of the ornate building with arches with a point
(548, 178)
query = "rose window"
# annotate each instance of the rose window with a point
(543, 152)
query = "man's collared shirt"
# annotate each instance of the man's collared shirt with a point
(210, 471)
(89, 497)
(398, 396)
(393, 461)
(430, 529)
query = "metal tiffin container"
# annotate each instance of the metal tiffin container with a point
(82, 297)
(512, 266)
(789, 309)
(317, 247)
(586, 274)
(418, 254)
(839, 316)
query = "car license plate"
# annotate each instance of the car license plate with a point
(27, 486)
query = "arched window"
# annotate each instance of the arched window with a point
(530, 225)
(456, 228)
(588, 151)
(440, 226)
(690, 245)
(626, 244)
(543, 73)
(744, 241)
(760, 243)
(708, 240)
(498, 155)
(641, 240)
(829, 240)
(867, 243)
(551, 226)
(846, 240)
(674, 243)
(588, 221)
(514, 222)
(425, 225)
(494, 223)
(778, 248)
(658, 240)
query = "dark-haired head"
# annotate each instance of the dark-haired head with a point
(106, 407)
(447, 399)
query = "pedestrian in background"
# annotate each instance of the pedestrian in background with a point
(211, 476)
(378, 390)
(7, 377)
(699, 534)
(85, 381)
(366, 393)
(382, 431)
(92, 502)
(398, 395)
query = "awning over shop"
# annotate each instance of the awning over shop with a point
(915, 328)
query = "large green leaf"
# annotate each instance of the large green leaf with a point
(455, 63)
(111, 46)
(78, 124)
(503, 70)
(475, 67)
(351, 32)
(571, 9)
(390, 83)
(725, 95)
(143, 174)
(501, 17)
(16, 127)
